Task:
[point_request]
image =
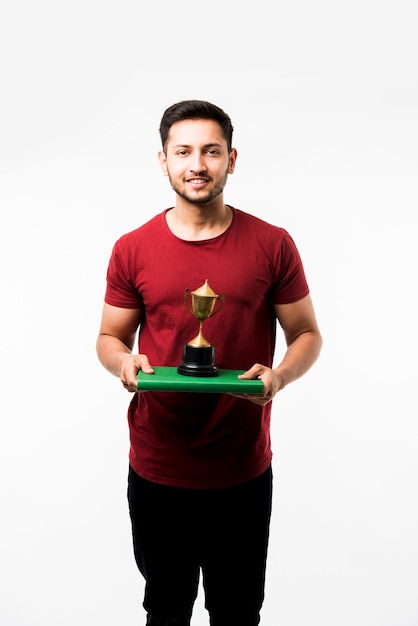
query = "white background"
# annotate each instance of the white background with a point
(323, 97)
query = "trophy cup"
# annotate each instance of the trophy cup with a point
(198, 353)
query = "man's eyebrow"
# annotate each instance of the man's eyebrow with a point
(207, 145)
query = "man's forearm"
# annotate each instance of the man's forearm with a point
(299, 357)
(112, 352)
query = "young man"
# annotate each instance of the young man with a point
(200, 480)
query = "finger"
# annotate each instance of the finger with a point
(255, 399)
(128, 386)
(145, 365)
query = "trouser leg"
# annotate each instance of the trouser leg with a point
(165, 552)
(237, 524)
(181, 620)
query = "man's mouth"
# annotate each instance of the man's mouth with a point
(197, 181)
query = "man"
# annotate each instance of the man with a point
(200, 479)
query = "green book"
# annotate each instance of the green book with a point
(167, 379)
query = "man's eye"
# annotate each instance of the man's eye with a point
(213, 152)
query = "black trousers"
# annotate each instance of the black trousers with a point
(222, 532)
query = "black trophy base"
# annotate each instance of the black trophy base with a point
(198, 361)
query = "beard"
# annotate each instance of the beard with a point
(199, 197)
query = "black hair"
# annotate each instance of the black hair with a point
(194, 110)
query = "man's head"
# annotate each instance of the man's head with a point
(193, 110)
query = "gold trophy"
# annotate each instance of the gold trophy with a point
(198, 353)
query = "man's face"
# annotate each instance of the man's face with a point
(196, 160)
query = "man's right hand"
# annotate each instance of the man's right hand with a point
(130, 368)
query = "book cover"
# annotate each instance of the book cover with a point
(167, 379)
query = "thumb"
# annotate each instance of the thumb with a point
(254, 372)
(144, 364)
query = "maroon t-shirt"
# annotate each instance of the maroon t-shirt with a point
(199, 440)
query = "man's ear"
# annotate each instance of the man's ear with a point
(232, 160)
(163, 162)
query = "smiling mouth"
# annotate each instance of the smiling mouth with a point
(197, 181)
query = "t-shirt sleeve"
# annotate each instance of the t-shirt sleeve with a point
(120, 288)
(290, 284)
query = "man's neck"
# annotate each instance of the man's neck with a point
(194, 222)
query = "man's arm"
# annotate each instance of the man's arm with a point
(115, 343)
(304, 344)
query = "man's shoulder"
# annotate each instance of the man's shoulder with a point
(249, 220)
(150, 228)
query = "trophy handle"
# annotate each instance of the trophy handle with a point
(187, 292)
(221, 300)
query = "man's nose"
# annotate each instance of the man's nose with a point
(197, 163)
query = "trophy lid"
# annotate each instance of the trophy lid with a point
(205, 291)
